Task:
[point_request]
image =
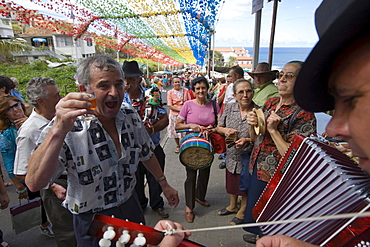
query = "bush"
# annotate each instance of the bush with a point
(64, 76)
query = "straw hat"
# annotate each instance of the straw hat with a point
(263, 68)
(338, 23)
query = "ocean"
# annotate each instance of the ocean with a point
(282, 55)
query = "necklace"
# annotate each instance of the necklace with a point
(243, 119)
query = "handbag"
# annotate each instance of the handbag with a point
(217, 140)
(218, 143)
(26, 215)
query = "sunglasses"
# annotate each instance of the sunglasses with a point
(16, 105)
(289, 76)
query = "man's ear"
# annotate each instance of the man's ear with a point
(40, 101)
(82, 88)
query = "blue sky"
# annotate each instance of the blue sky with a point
(295, 26)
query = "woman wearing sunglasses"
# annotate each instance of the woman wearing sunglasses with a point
(12, 116)
(284, 118)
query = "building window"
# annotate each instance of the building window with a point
(63, 41)
(89, 42)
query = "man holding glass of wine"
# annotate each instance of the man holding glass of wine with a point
(100, 155)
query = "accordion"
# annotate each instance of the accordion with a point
(314, 179)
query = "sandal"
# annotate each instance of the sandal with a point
(4, 244)
(224, 211)
(236, 221)
(177, 149)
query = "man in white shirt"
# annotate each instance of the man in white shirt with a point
(43, 94)
(236, 72)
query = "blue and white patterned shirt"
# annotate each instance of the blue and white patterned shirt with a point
(97, 178)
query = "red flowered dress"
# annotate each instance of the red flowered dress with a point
(265, 153)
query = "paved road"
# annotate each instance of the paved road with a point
(175, 172)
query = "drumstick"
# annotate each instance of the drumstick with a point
(327, 217)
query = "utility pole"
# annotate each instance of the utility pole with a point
(272, 37)
(257, 32)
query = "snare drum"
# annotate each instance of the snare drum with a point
(196, 152)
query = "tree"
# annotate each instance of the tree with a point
(219, 59)
(7, 46)
(231, 61)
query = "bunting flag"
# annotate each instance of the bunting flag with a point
(173, 32)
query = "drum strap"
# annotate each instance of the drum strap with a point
(215, 111)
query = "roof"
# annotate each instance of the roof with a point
(223, 49)
(37, 32)
(244, 58)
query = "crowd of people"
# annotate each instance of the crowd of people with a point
(82, 167)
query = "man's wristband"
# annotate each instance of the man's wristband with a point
(152, 129)
(161, 178)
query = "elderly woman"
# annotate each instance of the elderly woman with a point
(199, 115)
(12, 116)
(233, 122)
(176, 98)
(284, 118)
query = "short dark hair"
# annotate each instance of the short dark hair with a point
(7, 83)
(176, 77)
(199, 80)
(239, 70)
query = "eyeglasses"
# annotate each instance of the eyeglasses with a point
(242, 92)
(16, 105)
(289, 76)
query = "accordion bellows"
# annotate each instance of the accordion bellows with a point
(318, 180)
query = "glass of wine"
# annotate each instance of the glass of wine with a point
(92, 100)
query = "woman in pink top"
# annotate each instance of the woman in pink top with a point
(197, 114)
(176, 97)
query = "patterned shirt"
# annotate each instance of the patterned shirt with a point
(98, 178)
(231, 119)
(265, 153)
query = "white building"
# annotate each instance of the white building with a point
(243, 59)
(6, 30)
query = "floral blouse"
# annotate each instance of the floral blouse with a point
(231, 119)
(265, 153)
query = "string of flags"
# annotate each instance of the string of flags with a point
(172, 32)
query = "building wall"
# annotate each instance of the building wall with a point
(6, 29)
(64, 44)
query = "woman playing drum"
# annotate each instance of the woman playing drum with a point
(198, 115)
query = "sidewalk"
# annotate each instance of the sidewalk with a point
(175, 172)
(204, 217)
